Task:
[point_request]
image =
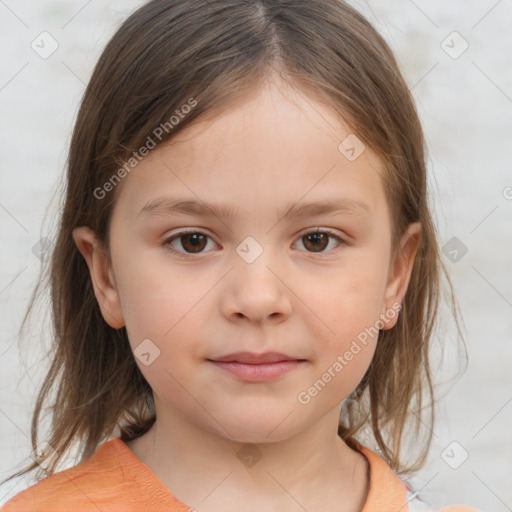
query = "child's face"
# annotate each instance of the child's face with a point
(307, 298)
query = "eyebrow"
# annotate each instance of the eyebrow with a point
(295, 210)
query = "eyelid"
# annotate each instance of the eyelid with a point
(342, 240)
(166, 243)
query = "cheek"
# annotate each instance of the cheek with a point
(156, 297)
(348, 300)
(162, 307)
(347, 309)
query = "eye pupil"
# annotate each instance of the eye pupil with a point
(317, 237)
(196, 239)
(195, 242)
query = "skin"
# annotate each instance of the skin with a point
(277, 147)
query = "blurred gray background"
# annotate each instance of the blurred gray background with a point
(456, 58)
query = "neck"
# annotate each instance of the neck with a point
(200, 466)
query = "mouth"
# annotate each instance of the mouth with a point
(253, 367)
(254, 358)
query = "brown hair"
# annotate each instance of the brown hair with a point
(219, 51)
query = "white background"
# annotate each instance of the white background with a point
(465, 104)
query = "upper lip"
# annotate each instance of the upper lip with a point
(254, 358)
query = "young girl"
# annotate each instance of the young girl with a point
(246, 275)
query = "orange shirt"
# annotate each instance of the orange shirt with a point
(114, 479)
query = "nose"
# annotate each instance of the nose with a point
(257, 292)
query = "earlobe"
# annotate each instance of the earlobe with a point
(101, 275)
(400, 273)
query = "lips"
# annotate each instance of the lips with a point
(254, 358)
(253, 367)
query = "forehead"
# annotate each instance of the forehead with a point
(277, 147)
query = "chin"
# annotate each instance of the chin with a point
(261, 431)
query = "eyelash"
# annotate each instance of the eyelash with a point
(167, 242)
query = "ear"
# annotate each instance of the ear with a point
(102, 276)
(400, 271)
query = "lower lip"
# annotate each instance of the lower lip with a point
(258, 372)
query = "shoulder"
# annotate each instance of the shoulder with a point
(83, 487)
(417, 505)
(389, 492)
(458, 508)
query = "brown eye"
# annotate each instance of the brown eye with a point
(317, 241)
(187, 242)
(194, 242)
